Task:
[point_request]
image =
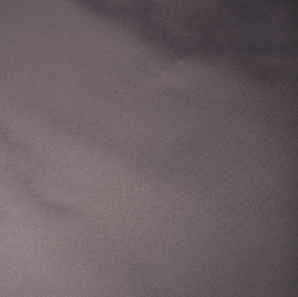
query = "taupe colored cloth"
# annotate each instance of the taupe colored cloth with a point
(148, 148)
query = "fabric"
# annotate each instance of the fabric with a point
(148, 148)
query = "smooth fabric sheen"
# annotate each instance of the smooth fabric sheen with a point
(131, 167)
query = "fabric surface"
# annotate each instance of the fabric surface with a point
(148, 148)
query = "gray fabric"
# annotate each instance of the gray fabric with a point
(139, 163)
